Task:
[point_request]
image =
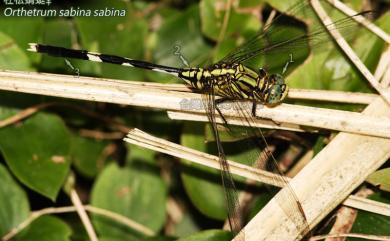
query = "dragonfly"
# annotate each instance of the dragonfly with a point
(230, 79)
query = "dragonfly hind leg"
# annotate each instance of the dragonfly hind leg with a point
(220, 101)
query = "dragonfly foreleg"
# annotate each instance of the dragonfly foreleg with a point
(254, 108)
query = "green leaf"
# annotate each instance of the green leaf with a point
(135, 191)
(46, 228)
(28, 30)
(209, 235)
(213, 16)
(14, 203)
(371, 223)
(128, 33)
(36, 150)
(202, 184)
(58, 33)
(380, 179)
(11, 55)
(87, 155)
(179, 41)
(331, 70)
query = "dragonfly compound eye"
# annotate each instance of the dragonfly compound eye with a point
(276, 94)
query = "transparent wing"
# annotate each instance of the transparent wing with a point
(264, 159)
(230, 191)
(288, 38)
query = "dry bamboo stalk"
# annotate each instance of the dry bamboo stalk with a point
(332, 96)
(140, 138)
(31, 82)
(262, 123)
(123, 92)
(368, 205)
(335, 172)
(325, 182)
(308, 116)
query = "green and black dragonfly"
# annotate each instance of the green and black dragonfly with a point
(230, 80)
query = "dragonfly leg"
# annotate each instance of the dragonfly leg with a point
(254, 108)
(220, 101)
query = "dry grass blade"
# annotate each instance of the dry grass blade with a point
(370, 26)
(140, 138)
(149, 95)
(329, 178)
(334, 173)
(289, 117)
(332, 96)
(145, 140)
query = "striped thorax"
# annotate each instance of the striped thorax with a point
(237, 82)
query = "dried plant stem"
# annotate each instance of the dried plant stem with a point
(145, 140)
(74, 197)
(122, 92)
(352, 235)
(384, 92)
(58, 210)
(332, 96)
(345, 217)
(140, 138)
(370, 26)
(325, 181)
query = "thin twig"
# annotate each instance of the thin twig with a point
(23, 114)
(58, 210)
(74, 197)
(326, 20)
(360, 19)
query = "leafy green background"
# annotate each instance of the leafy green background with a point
(39, 153)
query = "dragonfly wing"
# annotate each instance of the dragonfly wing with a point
(230, 191)
(288, 202)
(284, 38)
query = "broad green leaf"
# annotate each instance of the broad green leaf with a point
(331, 70)
(87, 155)
(14, 203)
(28, 30)
(179, 42)
(46, 228)
(186, 225)
(371, 223)
(57, 32)
(11, 55)
(154, 238)
(36, 150)
(381, 179)
(213, 16)
(202, 184)
(135, 191)
(209, 235)
(123, 36)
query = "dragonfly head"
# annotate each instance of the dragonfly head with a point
(277, 91)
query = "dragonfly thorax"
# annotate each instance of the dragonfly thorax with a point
(237, 82)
